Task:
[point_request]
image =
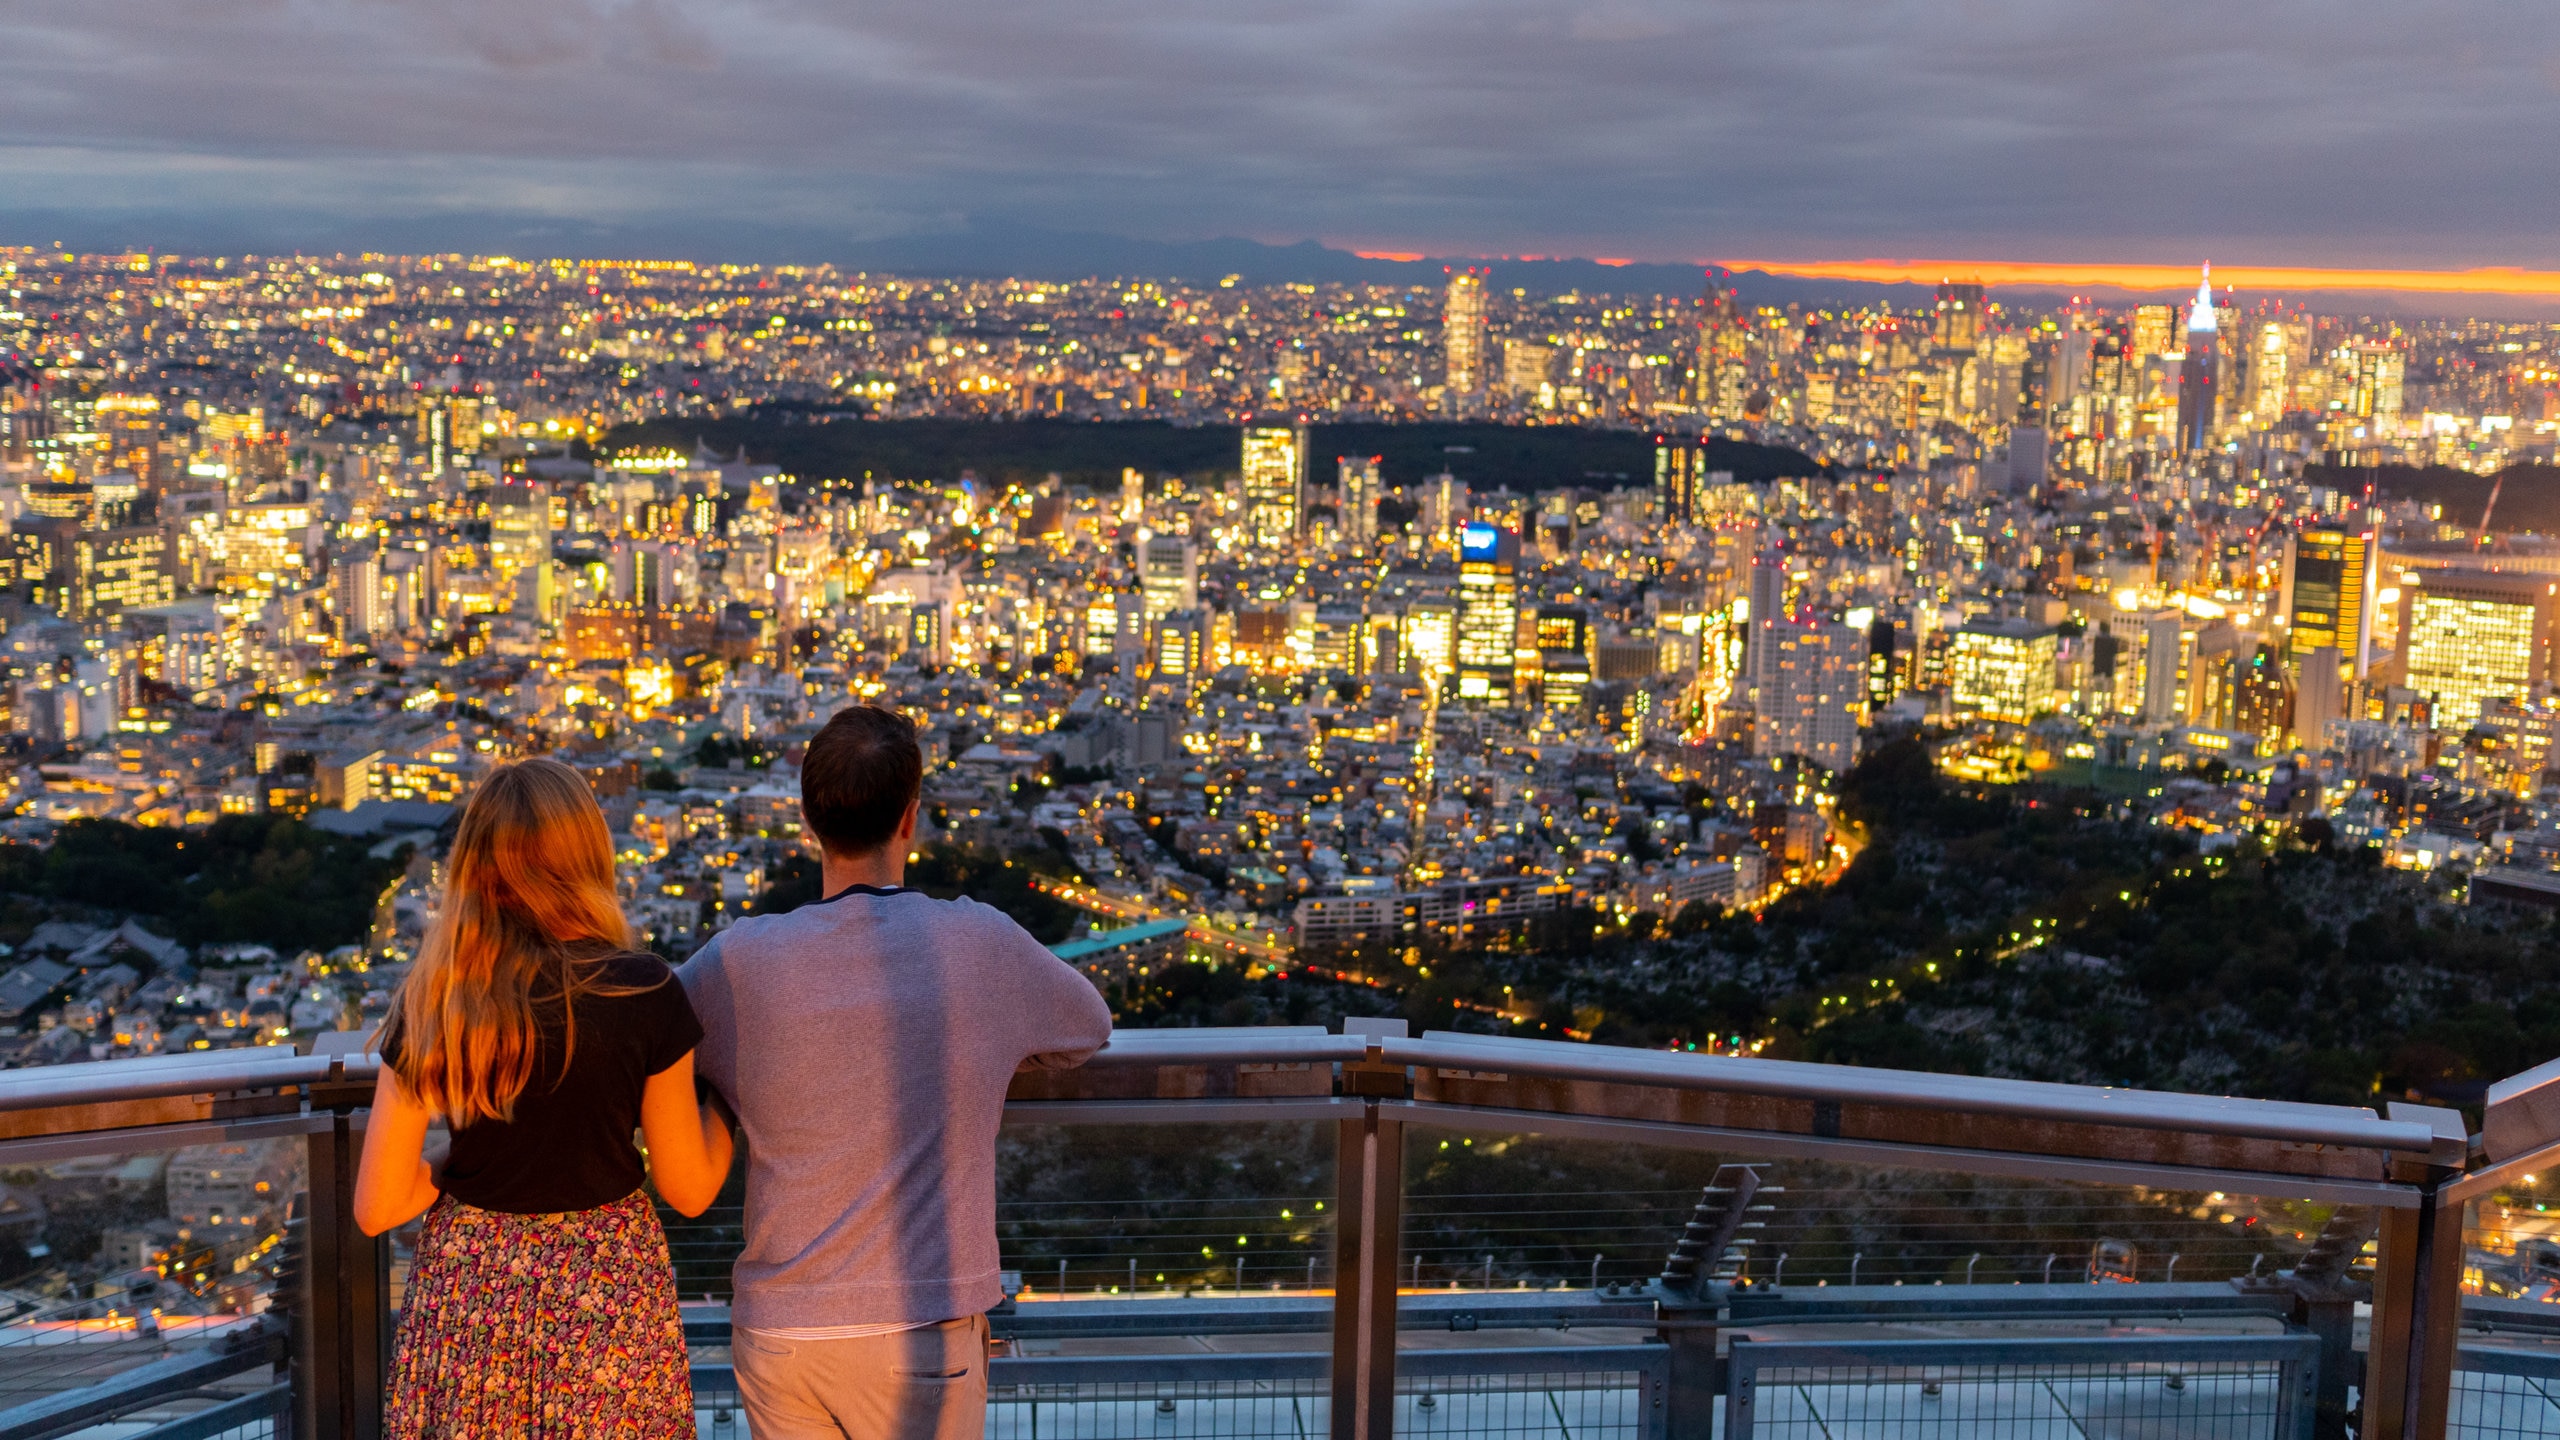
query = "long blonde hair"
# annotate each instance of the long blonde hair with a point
(529, 906)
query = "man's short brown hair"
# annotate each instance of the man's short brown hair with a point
(857, 778)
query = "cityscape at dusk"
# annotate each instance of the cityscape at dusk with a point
(1590, 636)
(1682, 672)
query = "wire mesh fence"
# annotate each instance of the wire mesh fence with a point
(1510, 1397)
(1595, 1214)
(259, 1415)
(2232, 1388)
(2501, 1394)
(1118, 1209)
(1243, 1409)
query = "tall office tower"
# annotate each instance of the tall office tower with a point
(1958, 323)
(2320, 697)
(1446, 500)
(1462, 332)
(1356, 477)
(2164, 656)
(1816, 695)
(2197, 379)
(1526, 367)
(1884, 676)
(2377, 393)
(1430, 637)
(2470, 636)
(2329, 590)
(2069, 369)
(1169, 575)
(2154, 331)
(404, 584)
(1275, 482)
(2002, 378)
(1488, 613)
(519, 528)
(2003, 669)
(1675, 479)
(2270, 375)
(1722, 379)
(1133, 494)
(1768, 606)
(467, 420)
(2030, 451)
(355, 594)
(1179, 645)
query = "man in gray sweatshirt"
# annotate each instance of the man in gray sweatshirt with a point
(865, 1042)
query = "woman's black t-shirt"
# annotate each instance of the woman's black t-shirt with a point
(569, 1146)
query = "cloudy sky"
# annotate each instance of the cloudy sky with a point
(2333, 132)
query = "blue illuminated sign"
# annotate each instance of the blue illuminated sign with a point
(1480, 542)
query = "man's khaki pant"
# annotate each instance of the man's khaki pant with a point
(928, 1383)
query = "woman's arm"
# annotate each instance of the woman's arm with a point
(689, 1146)
(393, 1184)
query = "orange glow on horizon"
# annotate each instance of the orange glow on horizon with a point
(2486, 280)
(1405, 257)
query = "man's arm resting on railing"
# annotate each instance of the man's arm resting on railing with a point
(394, 1184)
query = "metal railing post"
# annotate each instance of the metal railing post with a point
(1368, 1228)
(342, 1345)
(2417, 1292)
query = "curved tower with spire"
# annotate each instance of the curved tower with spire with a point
(2199, 376)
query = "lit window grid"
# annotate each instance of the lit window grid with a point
(2465, 652)
(2003, 677)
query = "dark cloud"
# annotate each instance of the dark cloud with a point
(2345, 131)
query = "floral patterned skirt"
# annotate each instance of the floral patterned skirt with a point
(562, 1327)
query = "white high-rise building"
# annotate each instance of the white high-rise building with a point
(1168, 575)
(1357, 479)
(355, 594)
(1813, 695)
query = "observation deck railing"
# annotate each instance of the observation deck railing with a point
(1719, 1342)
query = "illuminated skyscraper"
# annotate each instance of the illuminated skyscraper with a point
(2378, 375)
(1488, 613)
(1430, 638)
(1446, 504)
(2468, 636)
(2197, 376)
(519, 528)
(1767, 610)
(1169, 575)
(2270, 375)
(1815, 695)
(2153, 330)
(355, 594)
(1675, 479)
(1178, 645)
(1275, 480)
(1958, 323)
(1462, 332)
(1356, 477)
(2329, 594)
(2004, 670)
(1723, 375)
(1884, 672)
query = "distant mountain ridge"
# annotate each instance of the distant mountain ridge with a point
(983, 248)
(1037, 254)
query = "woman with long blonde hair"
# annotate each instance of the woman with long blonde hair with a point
(542, 1302)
